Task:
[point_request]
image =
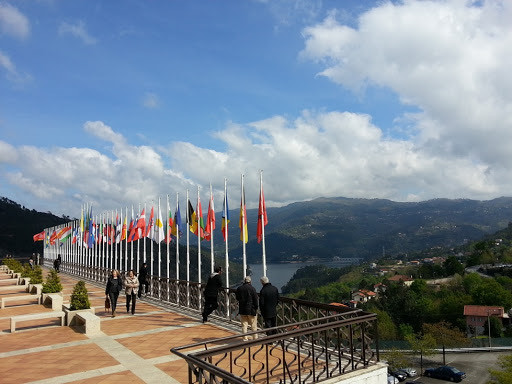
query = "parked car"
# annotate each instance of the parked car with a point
(392, 379)
(410, 372)
(401, 376)
(445, 373)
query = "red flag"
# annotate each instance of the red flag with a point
(199, 220)
(210, 220)
(39, 236)
(149, 229)
(53, 237)
(262, 217)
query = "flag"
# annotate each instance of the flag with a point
(242, 224)
(210, 220)
(92, 231)
(170, 226)
(151, 224)
(137, 231)
(158, 234)
(225, 217)
(262, 217)
(191, 218)
(123, 231)
(64, 234)
(130, 227)
(76, 235)
(118, 229)
(176, 225)
(53, 237)
(199, 226)
(39, 236)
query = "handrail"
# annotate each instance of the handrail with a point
(318, 349)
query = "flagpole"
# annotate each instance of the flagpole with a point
(159, 246)
(264, 256)
(125, 229)
(168, 241)
(242, 213)
(177, 247)
(112, 241)
(131, 244)
(226, 225)
(198, 244)
(188, 252)
(151, 231)
(212, 261)
(138, 245)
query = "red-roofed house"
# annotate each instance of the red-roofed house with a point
(402, 278)
(477, 315)
(363, 295)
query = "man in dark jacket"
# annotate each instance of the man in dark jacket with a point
(269, 297)
(211, 293)
(247, 306)
(143, 276)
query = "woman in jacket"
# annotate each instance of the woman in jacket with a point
(114, 286)
(131, 286)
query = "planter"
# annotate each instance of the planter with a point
(54, 300)
(83, 320)
(70, 315)
(35, 288)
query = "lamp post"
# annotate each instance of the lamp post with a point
(489, 327)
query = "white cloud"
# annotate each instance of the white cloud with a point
(449, 58)
(13, 22)
(12, 73)
(151, 100)
(77, 30)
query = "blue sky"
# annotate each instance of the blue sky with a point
(116, 103)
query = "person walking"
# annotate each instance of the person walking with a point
(56, 263)
(269, 297)
(143, 276)
(114, 286)
(211, 293)
(247, 306)
(131, 285)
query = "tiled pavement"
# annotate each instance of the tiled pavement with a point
(130, 349)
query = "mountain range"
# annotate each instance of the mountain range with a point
(320, 229)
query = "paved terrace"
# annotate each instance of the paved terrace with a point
(130, 349)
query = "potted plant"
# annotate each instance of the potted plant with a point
(79, 303)
(51, 290)
(79, 297)
(36, 280)
(26, 274)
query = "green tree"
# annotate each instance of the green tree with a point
(79, 297)
(396, 358)
(386, 327)
(496, 327)
(424, 344)
(52, 284)
(504, 374)
(452, 266)
(445, 335)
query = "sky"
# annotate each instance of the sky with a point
(120, 103)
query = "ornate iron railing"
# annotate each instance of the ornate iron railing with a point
(304, 352)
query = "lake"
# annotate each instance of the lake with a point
(280, 274)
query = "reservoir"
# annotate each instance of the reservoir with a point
(280, 274)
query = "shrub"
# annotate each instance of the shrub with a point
(13, 265)
(37, 275)
(27, 270)
(79, 297)
(52, 284)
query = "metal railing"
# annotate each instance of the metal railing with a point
(305, 352)
(315, 341)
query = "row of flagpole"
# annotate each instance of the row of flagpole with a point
(96, 241)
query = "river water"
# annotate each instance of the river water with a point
(280, 274)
